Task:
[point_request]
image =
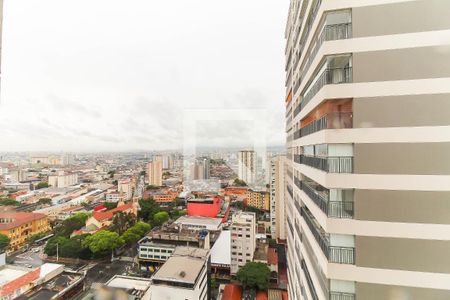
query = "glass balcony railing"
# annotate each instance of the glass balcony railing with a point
(334, 254)
(334, 120)
(328, 76)
(342, 296)
(333, 209)
(330, 164)
(308, 278)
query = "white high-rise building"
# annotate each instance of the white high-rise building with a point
(243, 240)
(63, 179)
(368, 139)
(247, 166)
(278, 197)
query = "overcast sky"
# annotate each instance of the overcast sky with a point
(86, 75)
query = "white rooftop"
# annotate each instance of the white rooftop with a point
(128, 283)
(199, 220)
(10, 273)
(221, 251)
(180, 269)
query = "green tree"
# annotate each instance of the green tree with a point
(4, 242)
(54, 243)
(238, 182)
(103, 242)
(148, 209)
(42, 185)
(69, 225)
(152, 187)
(7, 202)
(110, 205)
(111, 173)
(35, 237)
(135, 233)
(122, 221)
(254, 275)
(45, 201)
(160, 218)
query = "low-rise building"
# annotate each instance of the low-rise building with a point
(198, 223)
(124, 287)
(185, 275)
(18, 226)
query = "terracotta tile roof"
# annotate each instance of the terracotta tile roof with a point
(272, 256)
(107, 215)
(25, 279)
(18, 219)
(232, 292)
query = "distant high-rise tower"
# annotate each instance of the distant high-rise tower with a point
(278, 197)
(368, 124)
(155, 173)
(247, 166)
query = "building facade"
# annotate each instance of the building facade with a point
(367, 123)
(258, 199)
(63, 180)
(18, 226)
(247, 166)
(155, 173)
(243, 240)
(278, 197)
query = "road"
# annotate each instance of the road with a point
(28, 258)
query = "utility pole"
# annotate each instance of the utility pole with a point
(57, 251)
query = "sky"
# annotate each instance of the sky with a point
(114, 75)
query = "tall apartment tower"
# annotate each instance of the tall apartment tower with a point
(155, 173)
(243, 240)
(247, 166)
(277, 197)
(368, 139)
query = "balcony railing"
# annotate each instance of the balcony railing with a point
(319, 236)
(331, 164)
(297, 158)
(342, 255)
(289, 189)
(341, 296)
(334, 254)
(328, 76)
(334, 120)
(329, 33)
(298, 182)
(333, 209)
(312, 289)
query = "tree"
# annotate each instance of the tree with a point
(35, 237)
(4, 242)
(110, 205)
(111, 173)
(122, 221)
(42, 185)
(68, 226)
(152, 187)
(148, 209)
(7, 202)
(160, 218)
(254, 275)
(54, 243)
(238, 182)
(135, 233)
(45, 201)
(103, 242)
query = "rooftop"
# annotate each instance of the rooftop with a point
(106, 215)
(198, 220)
(220, 252)
(16, 219)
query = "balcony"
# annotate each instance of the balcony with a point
(334, 120)
(289, 189)
(309, 280)
(341, 296)
(297, 158)
(329, 33)
(333, 209)
(334, 254)
(328, 76)
(330, 164)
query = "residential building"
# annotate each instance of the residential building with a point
(201, 169)
(243, 240)
(247, 166)
(19, 226)
(185, 275)
(367, 123)
(277, 197)
(62, 179)
(113, 196)
(148, 250)
(126, 187)
(166, 161)
(258, 199)
(155, 173)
